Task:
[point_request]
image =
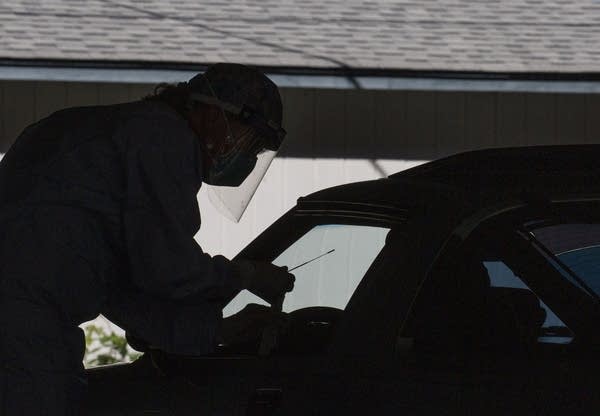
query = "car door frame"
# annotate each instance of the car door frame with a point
(504, 380)
(355, 378)
(263, 388)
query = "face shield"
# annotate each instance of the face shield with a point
(233, 201)
(250, 148)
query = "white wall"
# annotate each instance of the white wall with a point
(286, 180)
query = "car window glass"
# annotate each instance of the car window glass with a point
(553, 330)
(477, 303)
(577, 246)
(332, 279)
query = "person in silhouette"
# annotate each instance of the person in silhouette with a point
(98, 209)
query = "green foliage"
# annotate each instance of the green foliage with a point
(106, 347)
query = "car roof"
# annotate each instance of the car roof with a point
(482, 177)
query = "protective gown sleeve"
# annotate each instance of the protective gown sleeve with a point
(161, 215)
(175, 299)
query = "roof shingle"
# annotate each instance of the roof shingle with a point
(460, 35)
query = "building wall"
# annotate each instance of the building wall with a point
(339, 136)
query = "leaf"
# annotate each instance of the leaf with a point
(103, 347)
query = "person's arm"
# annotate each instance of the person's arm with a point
(161, 215)
(177, 306)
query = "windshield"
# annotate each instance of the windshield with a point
(577, 247)
(341, 254)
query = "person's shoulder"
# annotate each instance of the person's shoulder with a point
(150, 110)
(75, 113)
(154, 123)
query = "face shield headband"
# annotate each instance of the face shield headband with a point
(271, 131)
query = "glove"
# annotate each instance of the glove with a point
(248, 324)
(265, 280)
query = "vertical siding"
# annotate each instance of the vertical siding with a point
(139, 91)
(18, 110)
(592, 118)
(359, 137)
(339, 136)
(49, 97)
(540, 119)
(480, 121)
(449, 122)
(2, 120)
(81, 94)
(385, 127)
(330, 137)
(346, 124)
(420, 124)
(299, 120)
(571, 118)
(510, 119)
(360, 120)
(22, 103)
(112, 93)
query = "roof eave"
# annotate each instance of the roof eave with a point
(306, 77)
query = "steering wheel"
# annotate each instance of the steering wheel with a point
(317, 315)
(308, 331)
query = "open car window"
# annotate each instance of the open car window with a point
(331, 279)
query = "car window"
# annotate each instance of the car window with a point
(585, 262)
(477, 301)
(577, 247)
(553, 329)
(347, 252)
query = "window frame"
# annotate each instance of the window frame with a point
(577, 310)
(309, 214)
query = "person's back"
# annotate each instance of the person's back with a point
(53, 150)
(63, 185)
(68, 175)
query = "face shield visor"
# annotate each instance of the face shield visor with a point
(233, 201)
(236, 173)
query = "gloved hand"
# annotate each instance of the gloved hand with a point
(248, 324)
(265, 280)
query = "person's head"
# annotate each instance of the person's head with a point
(236, 113)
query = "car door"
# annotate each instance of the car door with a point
(243, 382)
(565, 238)
(497, 310)
(300, 376)
(340, 351)
(361, 371)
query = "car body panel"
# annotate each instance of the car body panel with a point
(433, 211)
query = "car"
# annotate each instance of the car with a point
(467, 285)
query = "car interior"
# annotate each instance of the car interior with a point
(462, 318)
(313, 330)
